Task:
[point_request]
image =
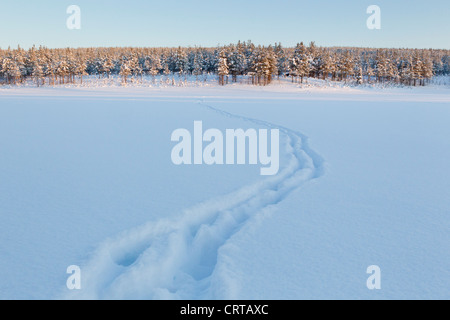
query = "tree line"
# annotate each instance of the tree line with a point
(258, 64)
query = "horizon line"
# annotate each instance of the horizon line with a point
(222, 45)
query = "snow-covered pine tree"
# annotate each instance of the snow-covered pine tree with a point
(4, 69)
(147, 66)
(417, 68)
(272, 61)
(19, 60)
(328, 65)
(347, 66)
(107, 66)
(10, 70)
(15, 72)
(317, 63)
(409, 70)
(38, 74)
(181, 61)
(197, 67)
(80, 69)
(382, 69)
(302, 61)
(166, 72)
(261, 64)
(236, 62)
(155, 67)
(427, 68)
(282, 61)
(62, 69)
(50, 71)
(369, 72)
(125, 71)
(222, 69)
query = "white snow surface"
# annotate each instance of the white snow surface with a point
(86, 179)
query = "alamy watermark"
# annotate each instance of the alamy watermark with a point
(374, 21)
(374, 280)
(229, 148)
(74, 280)
(73, 22)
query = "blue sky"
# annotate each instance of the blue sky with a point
(405, 23)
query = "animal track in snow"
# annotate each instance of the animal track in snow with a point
(177, 258)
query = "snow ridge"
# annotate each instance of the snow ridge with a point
(181, 258)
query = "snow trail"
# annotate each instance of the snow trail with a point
(178, 258)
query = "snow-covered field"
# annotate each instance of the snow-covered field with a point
(86, 179)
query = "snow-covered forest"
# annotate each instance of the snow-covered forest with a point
(258, 65)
